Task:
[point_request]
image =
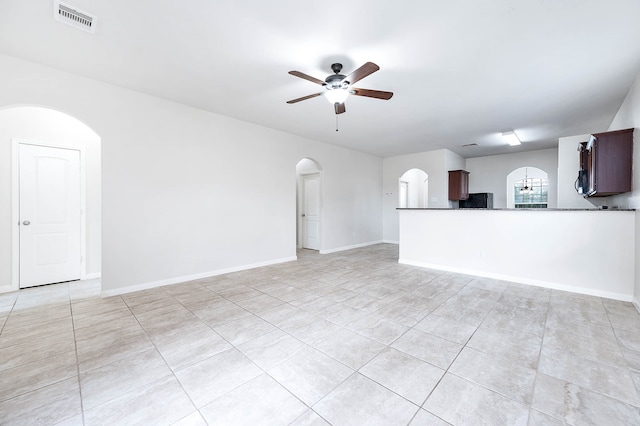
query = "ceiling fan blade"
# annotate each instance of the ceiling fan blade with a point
(378, 94)
(306, 77)
(340, 108)
(362, 72)
(304, 98)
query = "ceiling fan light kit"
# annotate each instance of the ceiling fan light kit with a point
(336, 96)
(337, 87)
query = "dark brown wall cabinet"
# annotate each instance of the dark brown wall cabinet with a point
(608, 163)
(458, 185)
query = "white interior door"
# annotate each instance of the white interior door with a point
(311, 212)
(50, 214)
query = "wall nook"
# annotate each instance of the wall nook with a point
(309, 218)
(413, 189)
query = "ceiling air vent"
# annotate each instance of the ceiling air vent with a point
(469, 145)
(72, 16)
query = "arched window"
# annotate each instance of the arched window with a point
(527, 188)
(530, 193)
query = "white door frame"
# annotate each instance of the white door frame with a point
(299, 220)
(15, 207)
(403, 191)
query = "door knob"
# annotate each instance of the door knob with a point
(303, 215)
(26, 223)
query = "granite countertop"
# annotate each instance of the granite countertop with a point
(529, 210)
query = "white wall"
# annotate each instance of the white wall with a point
(188, 193)
(453, 162)
(433, 163)
(544, 248)
(49, 127)
(627, 117)
(489, 174)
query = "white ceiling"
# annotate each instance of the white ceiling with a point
(462, 71)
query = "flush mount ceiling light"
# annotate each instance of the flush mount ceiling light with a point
(511, 138)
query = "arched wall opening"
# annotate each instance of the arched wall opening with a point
(413, 189)
(42, 126)
(309, 205)
(526, 174)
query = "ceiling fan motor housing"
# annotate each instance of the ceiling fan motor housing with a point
(336, 81)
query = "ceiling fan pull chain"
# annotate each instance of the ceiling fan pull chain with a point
(336, 122)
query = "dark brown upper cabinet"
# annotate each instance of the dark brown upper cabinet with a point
(608, 159)
(458, 185)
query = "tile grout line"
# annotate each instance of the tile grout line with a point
(4, 323)
(458, 354)
(266, 372)
(355, 371)
(535, 379)
(238, 350)
(173, 373)
(75, 345)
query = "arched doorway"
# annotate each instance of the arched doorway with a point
(309, 211)
(413, 189)
(527, 187)
(30, 132)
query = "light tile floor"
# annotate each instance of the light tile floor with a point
(350, 338)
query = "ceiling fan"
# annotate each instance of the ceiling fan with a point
(337, 87)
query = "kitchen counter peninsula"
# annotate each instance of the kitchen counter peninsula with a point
(589, 251)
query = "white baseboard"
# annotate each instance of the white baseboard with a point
(92, 276)
(636, 303)
(520, 280)
(391, 242)
(337, 249)
(185, 278)
(6, 289)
